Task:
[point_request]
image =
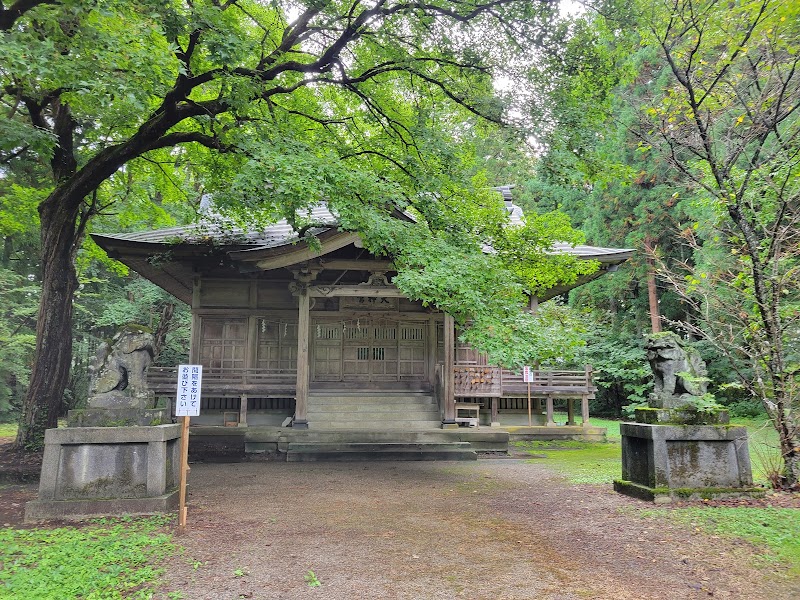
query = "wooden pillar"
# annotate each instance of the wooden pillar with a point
(194, 341)
(585, 397)
(303, 324)
(449, 420)
(431, 350)
(243, 410)
(570, 411)
(251, 358)
(495, 417)
(585, 410)
(550, 420)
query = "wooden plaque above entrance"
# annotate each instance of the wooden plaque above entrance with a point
(369, 303)
(362, 290)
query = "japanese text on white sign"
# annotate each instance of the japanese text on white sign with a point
(187, 400)
(527, 374)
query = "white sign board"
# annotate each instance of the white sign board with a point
(527, 374)
(187, 400)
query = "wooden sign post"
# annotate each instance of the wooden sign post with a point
(187, 405)
(527, 377)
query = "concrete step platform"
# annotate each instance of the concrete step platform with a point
(228, 444)
(378, 416)
(427, 436)
(375, 446)
(372, 424)
(380, 409)
(356, 452)
(392, 401)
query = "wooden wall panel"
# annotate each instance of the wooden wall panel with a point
(275, 295)
(215, 292)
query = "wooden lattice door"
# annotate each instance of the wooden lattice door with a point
(370, 350)
(223, 343)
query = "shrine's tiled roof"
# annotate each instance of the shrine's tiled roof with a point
(282, 233)
(271, 236)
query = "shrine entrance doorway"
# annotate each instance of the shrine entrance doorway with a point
(370, 350)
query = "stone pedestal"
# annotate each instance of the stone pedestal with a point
(89, 471)
(667, 462)
(118, 417)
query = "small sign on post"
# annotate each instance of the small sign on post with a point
(187, 404)
(527, 374)
(187, 400)
(527, 377)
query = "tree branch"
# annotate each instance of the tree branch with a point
(9, 16)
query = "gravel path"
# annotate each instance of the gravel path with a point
(491, 529)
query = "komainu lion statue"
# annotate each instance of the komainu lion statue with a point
(118, 375)
(680, 374)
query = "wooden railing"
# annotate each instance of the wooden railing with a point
(483, 381)
(229, 383)
(495, 382)
(471, 381)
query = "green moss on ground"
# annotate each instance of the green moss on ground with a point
(109, 559)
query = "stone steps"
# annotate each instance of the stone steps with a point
(360, 411)
(227, 444)
(372, 408)
(389, 399)
(387, 425)
(359, 451)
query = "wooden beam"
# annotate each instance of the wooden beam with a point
(371, 291)
(341, 264)
(292, 255)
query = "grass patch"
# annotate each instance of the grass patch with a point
(612, 427)
(106, 560)
(579, 462)
(8, 430)
(774, 531)
(582, 462)
(765, 454)
(597, 462)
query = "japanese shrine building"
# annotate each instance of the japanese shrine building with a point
(321, 336)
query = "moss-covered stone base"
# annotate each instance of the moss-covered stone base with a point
(107, 470)
(664, 495)
(118, 417)
(681, 416)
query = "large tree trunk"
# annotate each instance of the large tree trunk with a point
(164, 324)
(790, 451)
(652, 290)
(51, 363)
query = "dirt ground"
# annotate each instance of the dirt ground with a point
(492, 529)
(495, 529)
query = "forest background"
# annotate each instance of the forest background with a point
(670, 127)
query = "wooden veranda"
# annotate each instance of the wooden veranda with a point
(492, 388)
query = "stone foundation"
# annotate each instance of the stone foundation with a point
(118, 417)
(89, 471)
(665, 462)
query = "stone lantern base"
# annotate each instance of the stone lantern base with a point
(665, 462)
(90, 471)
